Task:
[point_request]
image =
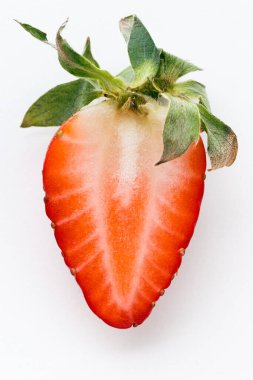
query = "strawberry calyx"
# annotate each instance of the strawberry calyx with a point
(152, 76)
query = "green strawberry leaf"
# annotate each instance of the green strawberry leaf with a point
(127, 74)
(192, 90)
(80, 66)
(60, 103)
(222, 141)
(88, 54)
(171, 68)
(182, 127)
(143, 54)
(34, 31)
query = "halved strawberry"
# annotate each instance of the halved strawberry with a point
(122, 222)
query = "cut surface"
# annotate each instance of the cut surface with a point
(121, 221)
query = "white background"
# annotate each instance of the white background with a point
(202, 328)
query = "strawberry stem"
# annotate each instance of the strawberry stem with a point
(153, 75)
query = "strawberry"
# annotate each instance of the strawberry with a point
(121, 222)
(122, 213)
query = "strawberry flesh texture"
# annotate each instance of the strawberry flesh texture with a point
(121, 221)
